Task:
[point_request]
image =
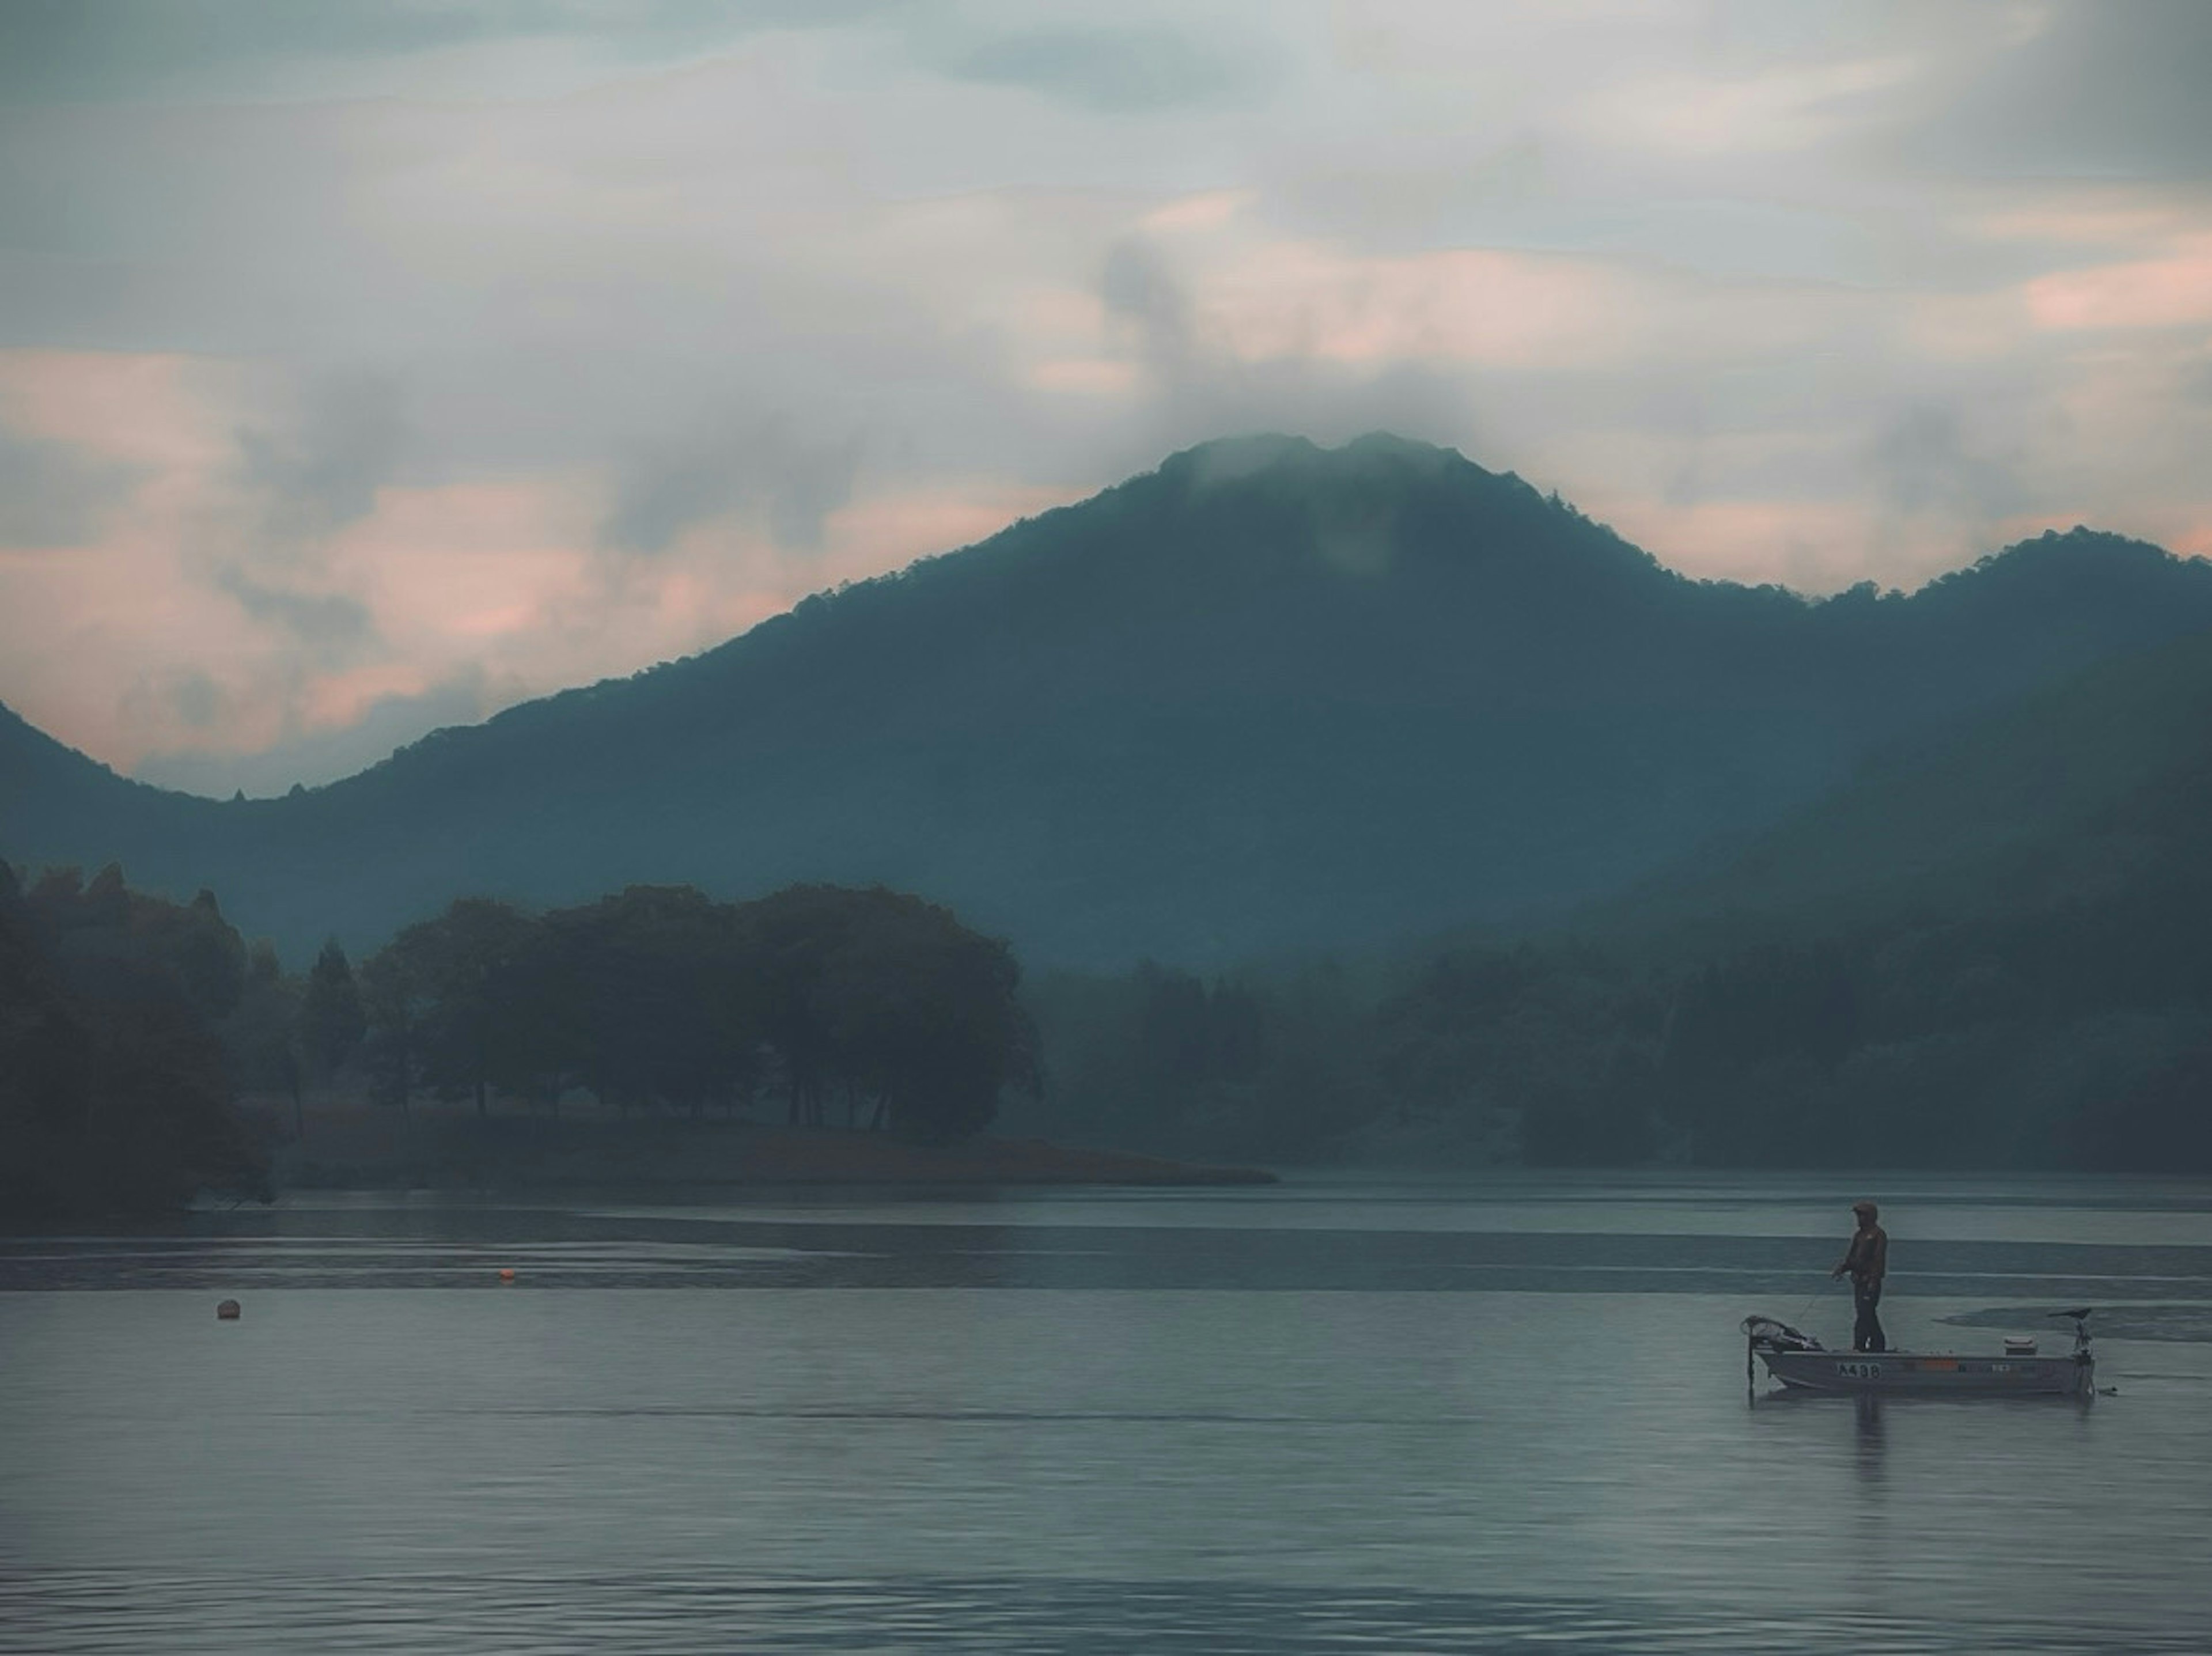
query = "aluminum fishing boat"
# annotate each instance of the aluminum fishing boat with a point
(1803, 1364)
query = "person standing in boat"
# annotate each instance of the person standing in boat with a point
(1866, 1259)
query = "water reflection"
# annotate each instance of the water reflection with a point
(1868, 1462)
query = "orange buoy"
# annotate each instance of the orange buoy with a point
(506, 1273)
(227, 1311)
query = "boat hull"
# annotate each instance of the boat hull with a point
(1932, 1373)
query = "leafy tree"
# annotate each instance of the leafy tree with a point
(454, 1003)
(395, 1003)
(333, 1021)
(922, 1015)
(889, 1000)
(261, 1034)
(114, 1090)
(656, 1001)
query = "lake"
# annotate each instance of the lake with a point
(1341, 1414)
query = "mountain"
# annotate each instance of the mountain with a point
(1268, 696)
(1993, 948)
(1989, 947)
(2083, 792)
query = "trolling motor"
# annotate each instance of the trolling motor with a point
(1769, 1334)
(1777, 1336)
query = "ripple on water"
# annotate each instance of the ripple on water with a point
(63, 1613)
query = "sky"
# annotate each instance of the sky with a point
(368, 367)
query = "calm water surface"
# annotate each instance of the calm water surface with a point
(1336, 1414)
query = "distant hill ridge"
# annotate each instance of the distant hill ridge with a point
(1266, 696)
(2077, 792)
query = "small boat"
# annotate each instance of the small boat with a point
(1803, 1364)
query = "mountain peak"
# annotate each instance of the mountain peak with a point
(1229, 460)
(2056, 569)
(1225, 459)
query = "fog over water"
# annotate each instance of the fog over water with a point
(1337, 1413)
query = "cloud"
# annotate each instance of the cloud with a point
(345, 441)
(311, 757)
(1112, 70)
(53, 50)
(2079, 89)
(790, 484)
(197, 699)
(2171, 289)
(55, 494)
(1921, 461)
(1139, 292)
(330, 623)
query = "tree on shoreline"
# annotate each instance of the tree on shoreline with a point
(658, 995)
(333, 1023)
(115, 1089)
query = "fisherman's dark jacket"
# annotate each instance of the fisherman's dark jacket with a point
(1868, 1255)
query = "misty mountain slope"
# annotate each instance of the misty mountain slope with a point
(51, 794)
(1266, 696)
(2091, 790)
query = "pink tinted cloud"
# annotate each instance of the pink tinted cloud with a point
(506, 579)
(120, 647)
(96, 636)
(1811, 544)
(888, 530)
(2171, 289)
(150, 409)
(453, 568)
(337, 701)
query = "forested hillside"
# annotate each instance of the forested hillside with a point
(1992, 950)
(1267, 697)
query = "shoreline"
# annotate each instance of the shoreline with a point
(455, 1152)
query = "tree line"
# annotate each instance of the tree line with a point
(130, 1024)
(867, 1006)
(2077, 1035)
